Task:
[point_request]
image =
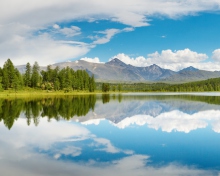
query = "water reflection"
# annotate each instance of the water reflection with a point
(65, 107)
(110, 135)
(178, 113)
(84, 153)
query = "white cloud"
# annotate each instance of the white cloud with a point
(133, 12)
(138, 61)
(56, 26)
(216, 55)
(128, 29)
(70, 32)
(19, 44)
(180, 56)
(22, 46)
(174, 60)
(20, 21)
(93, 60)
(108, 34)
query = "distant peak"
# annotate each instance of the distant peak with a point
(116, 62)
(190, 68)
(154, 66)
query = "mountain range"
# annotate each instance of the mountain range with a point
(116, 70)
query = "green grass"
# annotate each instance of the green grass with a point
(29, 93)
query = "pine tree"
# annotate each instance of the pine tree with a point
(8, 74)
(17, 80)
(35, 78)
(27, 75)
(119, 88)
(92, 85)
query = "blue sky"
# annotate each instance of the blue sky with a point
(171, 34)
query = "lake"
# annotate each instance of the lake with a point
(112, 135)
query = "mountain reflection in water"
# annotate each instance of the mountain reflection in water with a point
(111, 135)
(122, 111)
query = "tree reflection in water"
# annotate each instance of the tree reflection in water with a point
(65, 107)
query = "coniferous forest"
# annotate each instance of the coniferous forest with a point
(50, 79)
(212, 84)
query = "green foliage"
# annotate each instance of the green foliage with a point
(198, 86)
(105, 87)
(1, 88)
(8, 74)
(35, 77)
(92, 85)
(50, 79)
(113, 88)
(119, 88)
(27, 75)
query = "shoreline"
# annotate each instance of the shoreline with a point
(44, 93)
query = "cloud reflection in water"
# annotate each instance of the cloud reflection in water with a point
(19, 157)
(175, 121)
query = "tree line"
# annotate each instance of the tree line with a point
(50, 79)
(106, 87)
(212, 84)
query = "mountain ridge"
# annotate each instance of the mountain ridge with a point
(116, 70)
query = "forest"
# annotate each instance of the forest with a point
(50, 79)
(197, 86)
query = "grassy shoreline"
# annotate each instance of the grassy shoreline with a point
(45, 93)
(37, 93)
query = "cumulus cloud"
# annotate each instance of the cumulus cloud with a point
(174, 60)
(93, 60)
(56, 26)
(216, 55)
(138, 61)
(180, 56)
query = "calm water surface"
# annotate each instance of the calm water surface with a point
(120, 135)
